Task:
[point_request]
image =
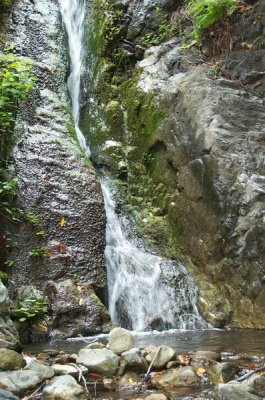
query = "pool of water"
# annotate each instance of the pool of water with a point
(232, 341)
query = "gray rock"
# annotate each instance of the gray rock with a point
(19, 381)
(165, 355)
(5, 395)
(11, 360)
(4, 299)
(185, 376)
(103, 361)
(131, 360)
(206, 355)
(41, 369)
(66, 369)
(221, 372)
(128, 380)
(235, 391)
(8, 334)
(64, 388)
(156, 396)
(120, 340)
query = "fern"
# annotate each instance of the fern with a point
(208, 12)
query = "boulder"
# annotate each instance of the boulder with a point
(95, 345)
(41, 369)
(221, 372)
(66, 369)
(156, 396)
(206, 355)
(235, 391)
(8, 334)
(11, 360)
(6, 395)
(164, 355)
(103, 361)
(120, 340)
(131, 360)
(185, 376)
(19, 381)
(64, 388)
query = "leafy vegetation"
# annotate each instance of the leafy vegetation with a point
(32, 308)
(38, 252)
(207, 12)
(165, 32)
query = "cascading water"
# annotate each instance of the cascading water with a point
(73, 13)
(145, 291)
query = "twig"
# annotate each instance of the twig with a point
(150, 366)
(242, 378)
(36, 391)
(81, 376)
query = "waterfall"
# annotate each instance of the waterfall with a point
(73, 14)
(145, 291)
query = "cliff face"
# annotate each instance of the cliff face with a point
(64, 236)
(185, 136)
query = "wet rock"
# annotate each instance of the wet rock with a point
(64, 388)
(128, 380)
(173, 364)
(185, 376)
(109, 384)
(41, 369)
(164, 355)
(120, 340)
(10, 360)
(148, 349)
(6, 395)
(67, 298)
(103, 361)
(55, 182)
(65, 369)
(221, 372)
(235, 391)
(19, 381)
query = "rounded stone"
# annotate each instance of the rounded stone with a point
(10, 360)
(120, 340)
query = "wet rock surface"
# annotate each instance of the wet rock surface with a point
(55, 182)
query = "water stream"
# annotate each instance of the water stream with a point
(145, 291)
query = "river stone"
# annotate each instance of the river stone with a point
(128, 380)
(221, 372)
(64, 388)
(133, 361)
(11, 360)
(4, 299)
(185, 376)
(6, 395)
(66, 369)
(235, 391)
(41, 369)
(103, 361)
(164, 355)
(120, 340)
(156, 396)
(19, 381)
(95, 345)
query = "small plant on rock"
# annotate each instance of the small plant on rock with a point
(36, 252)
(31, 308)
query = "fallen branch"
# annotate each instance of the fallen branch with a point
(146, 377)
(81, 376)
(36, 391)
(242, 378)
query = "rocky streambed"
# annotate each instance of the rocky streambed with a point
(119, 370)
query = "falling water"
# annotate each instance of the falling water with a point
(73, 13)
(145, 291)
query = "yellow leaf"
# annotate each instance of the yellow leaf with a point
(42, 326)
(79, 288)
(62, 222)
(131, 381)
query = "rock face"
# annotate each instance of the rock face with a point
(192, 142)
(66, 237)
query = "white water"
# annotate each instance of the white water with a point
(145, 291)
(73, 14)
